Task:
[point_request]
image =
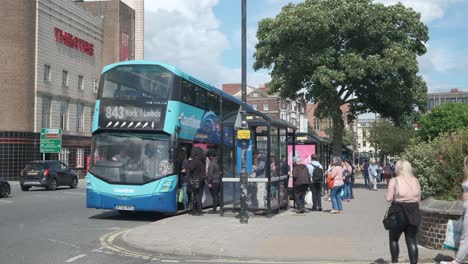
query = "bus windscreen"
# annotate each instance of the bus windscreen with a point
(128, 158)
(133, 82)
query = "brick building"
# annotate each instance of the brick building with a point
(52, 52)
(319, 126)
(292, 111)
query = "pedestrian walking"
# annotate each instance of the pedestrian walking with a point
(316, 175)
(404, 192)
(214, 180)
(387, 172)
(301, 180)
(463, 247)
(338, 183)
(365, 173)
(373, 174)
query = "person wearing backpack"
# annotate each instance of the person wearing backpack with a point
(347, 174)
(316, 174)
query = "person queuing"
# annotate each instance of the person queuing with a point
(196, 172)
(365, 173)
(301, 180)
(338, 183)
(316, 175)
(214, 180)
(347, 178)
(404, 192)
(463, 247)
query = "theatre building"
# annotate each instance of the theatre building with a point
(52, 52)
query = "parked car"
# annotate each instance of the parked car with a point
(5, 189)
(49, 174)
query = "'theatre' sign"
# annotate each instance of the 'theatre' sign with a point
(74, 42)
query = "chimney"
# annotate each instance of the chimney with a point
(454, 90)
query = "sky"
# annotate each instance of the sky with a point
(203, 38)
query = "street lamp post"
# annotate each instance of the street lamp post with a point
(243, 175)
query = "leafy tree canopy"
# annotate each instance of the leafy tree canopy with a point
(345, 51)
(390, 139)
(443, 119)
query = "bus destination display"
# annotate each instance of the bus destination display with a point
(133, 117)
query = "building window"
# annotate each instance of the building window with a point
(95, 87)
(64, 115)
(80, 158)
(255, 95)
(63, 155)
(47, 73)
(46, 104)
(316, 124)
(283, 104)
(364, 144)
(266, 107)
(79, 117)
(363, 133)
(80, 82)
(64, 78)
(254, 106)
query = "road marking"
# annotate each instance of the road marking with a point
(107, 242)
(64, 243)
(5, 201)
(75, 258)
(169, 260)
(78, 193)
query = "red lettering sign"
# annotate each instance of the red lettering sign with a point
(74, 42)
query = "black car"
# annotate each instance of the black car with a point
(4, 189)
(49, 174)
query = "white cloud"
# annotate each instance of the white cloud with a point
(430, 9)
(186, 34)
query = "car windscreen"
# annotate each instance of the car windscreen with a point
(137, 82)
(128, 158)
(35, 166)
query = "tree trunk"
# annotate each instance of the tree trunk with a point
(338, 126)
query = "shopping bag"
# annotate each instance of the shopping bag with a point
(453, 234)
(180, 199)
(204, 196)
(342, 192)
(290, 182)
(308, 197)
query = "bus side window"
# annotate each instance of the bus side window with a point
(199, 97)
(187, 92)
(213, 102)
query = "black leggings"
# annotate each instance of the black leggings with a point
(410, 237)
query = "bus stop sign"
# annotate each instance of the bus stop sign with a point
(51, 140)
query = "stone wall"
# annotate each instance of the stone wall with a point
(435, 215)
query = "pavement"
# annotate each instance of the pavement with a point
(357, 235)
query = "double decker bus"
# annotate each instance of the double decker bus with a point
(146, 113)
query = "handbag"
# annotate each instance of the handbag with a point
(392, 221)
(330, 181)
(453, 234)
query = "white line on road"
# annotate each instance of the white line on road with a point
(5, 201)
(169, 260)
(75, 258)
(79, 193)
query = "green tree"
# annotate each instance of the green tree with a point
(347, 139)
(390, 139)
(345, 52)
(445, 118)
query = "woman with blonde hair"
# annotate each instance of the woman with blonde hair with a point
(404, 192)
(463, 247)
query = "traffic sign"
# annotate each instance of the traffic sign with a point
(51, 140)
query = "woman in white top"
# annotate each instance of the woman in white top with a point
(463, 248)
(404, 192)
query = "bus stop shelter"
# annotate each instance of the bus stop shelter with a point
(267, 164)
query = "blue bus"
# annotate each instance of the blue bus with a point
(146, 114)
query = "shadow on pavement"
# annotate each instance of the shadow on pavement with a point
(130, 216)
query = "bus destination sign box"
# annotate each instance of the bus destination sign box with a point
(51, 140)
(243, 134)
(125, 116)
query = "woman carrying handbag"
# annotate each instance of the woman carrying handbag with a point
(463, 248)
(404, 192)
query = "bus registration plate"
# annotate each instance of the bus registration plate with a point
(125, 207)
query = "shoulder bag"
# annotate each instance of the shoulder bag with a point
(392, 221)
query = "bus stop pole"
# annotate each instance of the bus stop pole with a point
(243, 175)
